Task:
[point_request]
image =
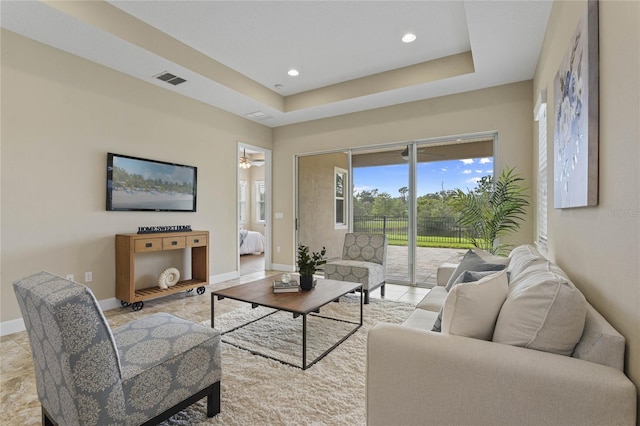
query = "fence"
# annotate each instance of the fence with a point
(430, 229)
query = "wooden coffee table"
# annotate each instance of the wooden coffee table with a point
(260, 293)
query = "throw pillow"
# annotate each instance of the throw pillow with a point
(465, 277)
(472, 262)
(471, 309)
(490, 257)
(543, 311)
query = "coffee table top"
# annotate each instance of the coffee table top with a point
(302, 302)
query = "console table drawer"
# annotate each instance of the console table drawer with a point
(171, 243)
(198, 240)
(148, 244)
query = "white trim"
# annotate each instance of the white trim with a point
(17, 325)
(215, 279)
(345, 198)
(284, 268)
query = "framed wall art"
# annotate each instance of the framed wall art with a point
(575, 150)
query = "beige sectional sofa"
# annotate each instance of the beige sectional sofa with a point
(550, 359)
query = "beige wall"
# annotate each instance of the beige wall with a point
(599, 247)
(316, 202)
(60, 117)
(505, 109)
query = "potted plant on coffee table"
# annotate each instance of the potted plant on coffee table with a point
(307, 265)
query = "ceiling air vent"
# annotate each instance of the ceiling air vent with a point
(170, 78)
(258, 116)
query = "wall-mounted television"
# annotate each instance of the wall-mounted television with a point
(139, 184)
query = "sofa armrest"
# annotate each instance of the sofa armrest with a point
(418, 377)
(444, 272)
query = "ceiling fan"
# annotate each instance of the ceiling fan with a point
(246, 162)
(405, 154)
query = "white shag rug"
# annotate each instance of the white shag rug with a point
(259, 391)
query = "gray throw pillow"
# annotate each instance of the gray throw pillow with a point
(464, 277)
(472, 262)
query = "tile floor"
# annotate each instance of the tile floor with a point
(18, 397)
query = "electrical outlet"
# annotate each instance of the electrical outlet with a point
(88, 277)
(69, 277)
(278, 249)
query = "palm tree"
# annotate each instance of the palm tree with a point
(492, 213)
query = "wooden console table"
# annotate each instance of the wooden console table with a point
(128, 245)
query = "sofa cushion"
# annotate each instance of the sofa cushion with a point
(465, 277)
(522, 257)
(472, 262)
(471, 309)
(543, 311)
(421, 318)
(490, 257)
(600, 342)
(434, 300)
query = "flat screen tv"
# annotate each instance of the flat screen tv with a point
(138, 184)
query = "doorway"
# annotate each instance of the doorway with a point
(254, 206)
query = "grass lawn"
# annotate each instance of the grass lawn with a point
(443, 242)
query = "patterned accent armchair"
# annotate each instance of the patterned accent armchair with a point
(364, 261)
(87, 374)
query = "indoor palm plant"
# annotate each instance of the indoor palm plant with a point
(491, 212)
(308, 264)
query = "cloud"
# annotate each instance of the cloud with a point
(444, 169)
(473, 180)
(479, 170)
(466, 172)
(467, 161)
(486, 160)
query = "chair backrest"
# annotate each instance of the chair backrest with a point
(78, 374)
(365, 247)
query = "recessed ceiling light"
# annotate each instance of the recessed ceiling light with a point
(293, 72)
(408, 38)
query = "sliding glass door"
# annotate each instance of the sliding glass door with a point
(401, 190)
(382, 203)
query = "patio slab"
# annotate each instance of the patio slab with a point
(427, 261)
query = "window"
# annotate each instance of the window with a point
(340, 204)
(242, 201)
(260, 205)
(540, 115)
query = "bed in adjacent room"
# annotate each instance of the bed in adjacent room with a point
(251, 242)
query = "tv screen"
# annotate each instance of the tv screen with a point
(138, 184)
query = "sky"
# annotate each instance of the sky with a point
(432, 177)
(152, 170)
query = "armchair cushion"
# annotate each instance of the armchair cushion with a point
(165, 359)
(368, 274)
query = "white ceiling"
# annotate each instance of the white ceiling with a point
(329, 42)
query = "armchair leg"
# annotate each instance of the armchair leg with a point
(366, 297)
(382, 289)
(213, 400)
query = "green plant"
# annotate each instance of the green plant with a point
(489, 213)
(307, 264)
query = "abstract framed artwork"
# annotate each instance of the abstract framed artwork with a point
(575, 147)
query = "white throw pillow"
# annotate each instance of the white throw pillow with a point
(471, 309)
(543, 311)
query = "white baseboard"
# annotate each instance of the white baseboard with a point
(215, 279)
(11, 326)
(283, 268)
(17, 325)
